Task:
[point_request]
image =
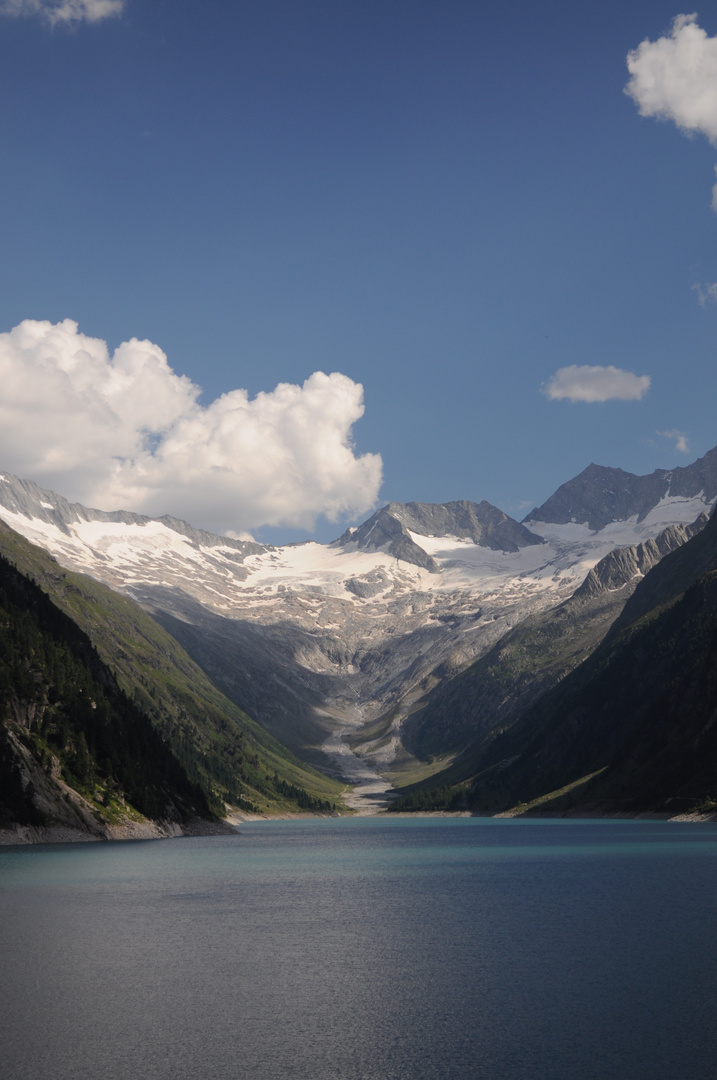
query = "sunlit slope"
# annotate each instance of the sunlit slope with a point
(233, 758)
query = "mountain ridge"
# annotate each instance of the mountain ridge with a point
(656, 673)
(600, 495)
(536, 655)
(324, 644)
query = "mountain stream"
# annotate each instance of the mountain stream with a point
(370, 793)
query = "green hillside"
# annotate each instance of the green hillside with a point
(222, 749)
(67, 730)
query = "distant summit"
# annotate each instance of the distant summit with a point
(600, 495)
(390, 527)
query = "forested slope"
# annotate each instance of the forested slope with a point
(222, 750)
(74, 750)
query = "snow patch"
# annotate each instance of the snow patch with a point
(673, 510)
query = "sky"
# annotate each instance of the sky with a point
(267, 265)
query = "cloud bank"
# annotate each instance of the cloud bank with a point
(586, 383)
(126, 432)
(63, 11)
(675, 78)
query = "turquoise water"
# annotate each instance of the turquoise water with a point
(365, 949)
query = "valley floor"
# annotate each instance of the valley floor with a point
(370, 792)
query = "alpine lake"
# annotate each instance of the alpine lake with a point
(380, 948)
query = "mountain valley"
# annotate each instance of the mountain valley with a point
(367, 644)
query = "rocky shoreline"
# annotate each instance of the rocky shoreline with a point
(23, 835)
(20, 835)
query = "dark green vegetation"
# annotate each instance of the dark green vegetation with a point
(630, 729)
(62, 709)
(225, 753)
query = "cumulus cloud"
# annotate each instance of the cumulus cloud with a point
(679, 437)
(63, 11)
(586, 383)
(126, 432)
(675, 78)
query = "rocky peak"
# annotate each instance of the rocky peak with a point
(390, 527)
(600, 495)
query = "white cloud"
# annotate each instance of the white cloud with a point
(586, 383)
(706, 293)
(63, 11)
(675, 78)
(680, 439)
(125, 431)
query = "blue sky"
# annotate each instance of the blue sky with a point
(445, 203)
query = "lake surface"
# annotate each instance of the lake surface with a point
(365, 949)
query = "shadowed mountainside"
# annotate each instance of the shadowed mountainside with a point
(536, 655)
(632, 729)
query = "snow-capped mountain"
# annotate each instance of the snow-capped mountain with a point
(312, 638)
(390, 528)
(599, 496)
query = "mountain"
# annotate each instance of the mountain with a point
(460, 712)
(338, 644)
(390, 528)
(77, 757)
(229, 756)
(600, 496)
(630, 730)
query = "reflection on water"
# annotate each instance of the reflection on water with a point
(365, 949)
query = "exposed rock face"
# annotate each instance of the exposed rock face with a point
(626, 564)
(72, 818)
(385, 532)
(390, 527)
(600, 495)
(368, 585)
